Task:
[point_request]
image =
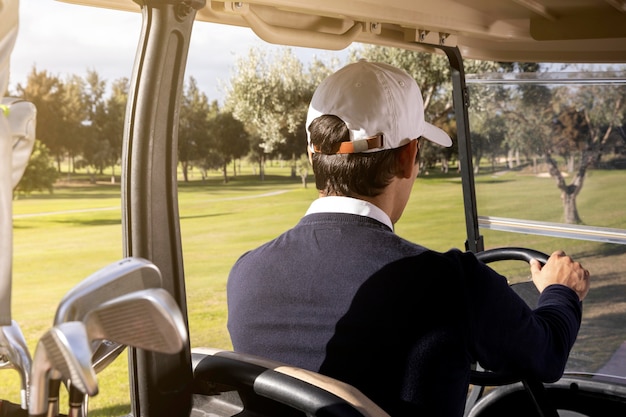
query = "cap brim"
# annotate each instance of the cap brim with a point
(436, 135)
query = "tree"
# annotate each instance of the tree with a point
(39, 174)
(113, 126)
(46, 92)
(193, 127)
(304, 166)
(581, 127)
(570, 123)
(488, 138)
(73, 113)
(98, 151)
(270, 95)
(229, 139)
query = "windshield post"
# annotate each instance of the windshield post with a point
(160, 384)
(461, 100)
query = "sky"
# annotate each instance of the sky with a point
(68, 39)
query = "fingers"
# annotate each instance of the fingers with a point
(564, 270)
(535, 266)
(583, 288)
(561, 269)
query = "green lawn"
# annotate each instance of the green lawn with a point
(60, 239)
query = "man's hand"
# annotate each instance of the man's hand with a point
(561, 269)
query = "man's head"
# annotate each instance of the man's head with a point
(359, 120)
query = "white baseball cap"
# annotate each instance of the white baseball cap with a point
(381, 105)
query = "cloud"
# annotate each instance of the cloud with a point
(68, 39)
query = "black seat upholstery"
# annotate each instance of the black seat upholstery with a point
(227, 383)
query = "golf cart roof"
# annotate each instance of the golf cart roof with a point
(501, 30)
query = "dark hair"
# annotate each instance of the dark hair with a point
(365, 174)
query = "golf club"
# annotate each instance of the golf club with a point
(66, 348)
(103, 356)
(118, 278)
(149, 319)
(14, 350)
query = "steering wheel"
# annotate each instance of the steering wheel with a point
(529, 293)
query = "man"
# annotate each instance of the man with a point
(342, 295)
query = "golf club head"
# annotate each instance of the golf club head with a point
(4, 363)
(105, 353)
(118, 278)
(148, 319)
(65, 347)
(15, 352)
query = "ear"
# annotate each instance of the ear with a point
(406, 159)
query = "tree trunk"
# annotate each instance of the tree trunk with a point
(570, 211)
(92, 176)
(261, 167)
(478, 155)
(185, 169)
(568, 192)
(225, 172)
(69, 167)
(445, 165)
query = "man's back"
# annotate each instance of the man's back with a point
(372, 314)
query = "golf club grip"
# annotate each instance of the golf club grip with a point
(54, 386)
(76, 399)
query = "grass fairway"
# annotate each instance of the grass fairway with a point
(62, 238)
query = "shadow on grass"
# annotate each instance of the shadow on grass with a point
(242, 181)
(112, 411)
(87, 191)
(604, 249)
(493, 181)
(204, 216)
(610, 295)
(91, 222)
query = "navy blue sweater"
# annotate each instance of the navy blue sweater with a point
(343, 295)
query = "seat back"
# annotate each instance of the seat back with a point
(229, 383)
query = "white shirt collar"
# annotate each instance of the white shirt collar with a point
(349, 205)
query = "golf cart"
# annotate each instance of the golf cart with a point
(202, 381)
